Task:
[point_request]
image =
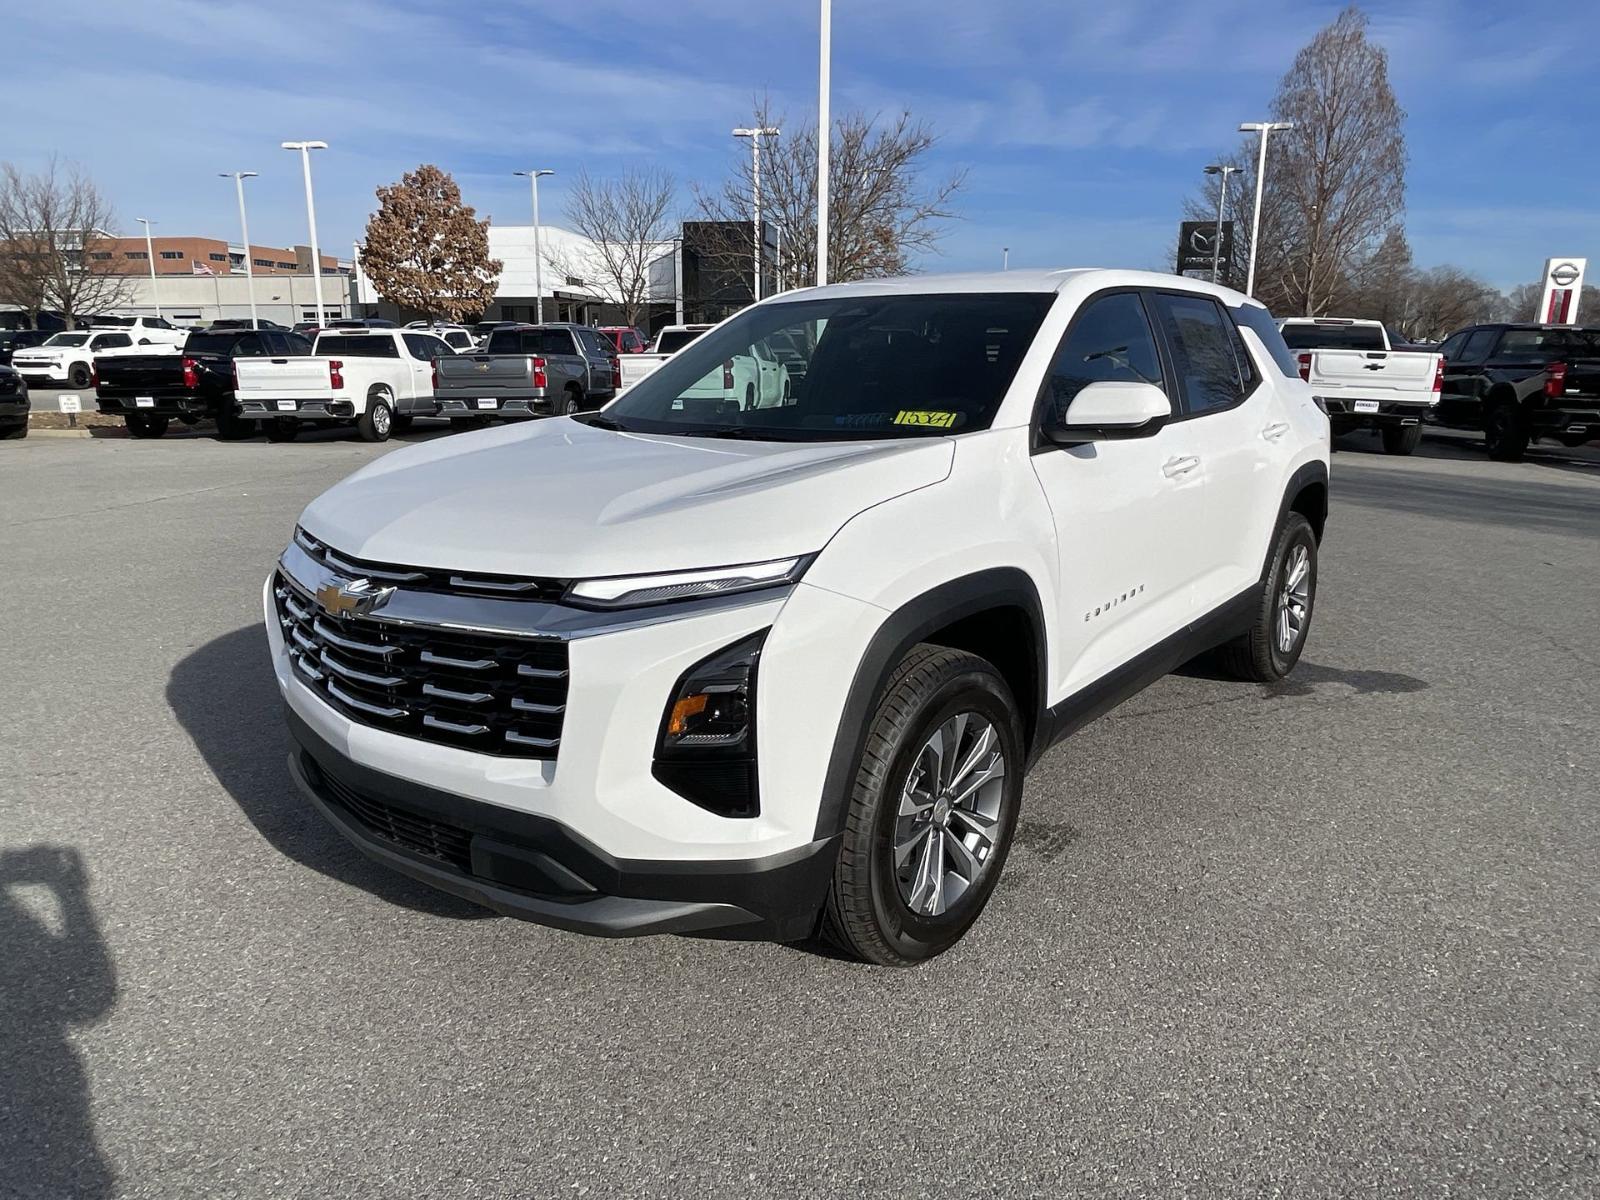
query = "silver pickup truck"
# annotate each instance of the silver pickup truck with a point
(528, 371)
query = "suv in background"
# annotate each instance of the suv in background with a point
(1519, 382)
(683, 665)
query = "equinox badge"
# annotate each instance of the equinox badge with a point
(352, 597)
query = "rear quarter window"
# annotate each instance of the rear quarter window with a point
(1259, 322)
(356, 346)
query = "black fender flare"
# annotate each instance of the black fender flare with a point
(1306, 476)
(911, 623)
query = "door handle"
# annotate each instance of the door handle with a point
(1275, 431)
(1176, 468)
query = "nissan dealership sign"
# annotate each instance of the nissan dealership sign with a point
(1563, 284)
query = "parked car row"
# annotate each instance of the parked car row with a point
(1513, 382)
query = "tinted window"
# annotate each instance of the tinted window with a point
(1546, 345)
(504, 341)
(1200, 338)
(420, 347)
(251, 345)
(894, 366)
(1299, 335)
(1478, 345)
(458, 340)
(548, 341)
(1259, 322)
(210, 343)
(674, 340)
(110, 341)
(1110, 339)
(631, 342)
(1452, 345)
(356, 346)
(293, 343)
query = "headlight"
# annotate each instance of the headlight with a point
(706, 751)
(626, 591)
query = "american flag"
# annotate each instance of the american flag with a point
(201, 268)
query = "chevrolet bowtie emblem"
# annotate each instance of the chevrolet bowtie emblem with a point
(352, 597)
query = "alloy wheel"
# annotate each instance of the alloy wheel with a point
(1294, 598)
(949, 815)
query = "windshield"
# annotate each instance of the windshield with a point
(853, 367)
(673, 340)
(1304, 336)
(356, 345)
(112, 322)
(68, 339)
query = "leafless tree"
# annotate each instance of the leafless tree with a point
(1335, 184)
(54, 227)
(628, 221)
(1521, 303)
(881, 211)
(1446, 298)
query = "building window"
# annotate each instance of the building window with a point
(283, 266)
(171, 253)
(100, 255)
(217, 257)
(135, 254)
(574, 281)
(262, 262)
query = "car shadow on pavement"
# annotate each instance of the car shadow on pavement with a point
(54, 974)
(1307, 677)
(226, 697)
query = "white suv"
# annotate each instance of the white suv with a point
(684, 664)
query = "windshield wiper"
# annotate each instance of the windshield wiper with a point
(601, 421)
(732, 431)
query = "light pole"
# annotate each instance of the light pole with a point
(1222, 201)
(1005, 258)
(238, 178)
(305, 149)
(150, 253)
(1263, 128)
(755, 136)
(824, 137)
(538, 254)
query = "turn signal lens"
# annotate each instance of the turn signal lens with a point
(707, 749)
(683, 710)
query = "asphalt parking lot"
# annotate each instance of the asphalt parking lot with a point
(1341, 937)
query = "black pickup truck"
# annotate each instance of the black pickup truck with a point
(1521, 382)
(149, 390)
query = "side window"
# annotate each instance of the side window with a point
(438, 346)
(595, 344)
(419, 347)
(1203, 356)
(1451, 346)
(1110, 339)
(458, 340)
(1477, 346)
(111, 341)
(249, 346)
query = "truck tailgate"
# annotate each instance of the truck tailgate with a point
(1376, 371)
(283, 376)
(139, 372)
(636, 366)
(485, 375)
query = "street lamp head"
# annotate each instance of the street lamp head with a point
(764, 131)
(305, 145)
(534, 174)
(236, 174)
(1265, 126)
(1220, 169)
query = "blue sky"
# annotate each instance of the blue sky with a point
(1082, 123)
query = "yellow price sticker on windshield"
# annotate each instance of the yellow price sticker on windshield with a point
(934, 420)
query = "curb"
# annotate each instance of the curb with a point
(35, 431)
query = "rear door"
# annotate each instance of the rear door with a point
(601, 354)
(421, 350)
(565, 362)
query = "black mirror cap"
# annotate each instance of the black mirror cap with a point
(1080, 435)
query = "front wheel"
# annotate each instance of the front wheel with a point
(145, 425)
(79, 376)
(1282, 619)
(1401, 439)
(377, 422)
(932, 810)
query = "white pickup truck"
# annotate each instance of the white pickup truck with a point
(1362, 381)
(374, 379)
(669, 341)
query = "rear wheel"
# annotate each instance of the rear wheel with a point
(282, 429)
(932, 810)
(1401, 439)
(79, 375)
(571, 402)
(231, 427)
(377, 422)
(1505, 434)
(17, 429)
(1282, 620)
(145, 425)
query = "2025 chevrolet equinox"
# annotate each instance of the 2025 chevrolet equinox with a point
(777, 665)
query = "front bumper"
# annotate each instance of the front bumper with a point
(39, 372)
(531, 867)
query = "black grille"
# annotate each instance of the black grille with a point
(480, 691)
(10, 384)
(423, 835)
(425, 579)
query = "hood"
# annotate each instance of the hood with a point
(562, 499)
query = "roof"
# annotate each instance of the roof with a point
(1010, 281)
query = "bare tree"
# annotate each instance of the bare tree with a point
(427, 251)
(881, 212)
(628, 223)
(1335, 184)
(1521, 303)
(1445, 299)
(54, 247)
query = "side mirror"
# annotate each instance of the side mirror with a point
(1110, 411)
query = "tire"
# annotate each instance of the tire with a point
(377, 423)
(888, 914)
(231, 427)
(572, 404)
(1505, 434)
(1401, 439)
(282, 429)
(78, 376)
(402, 422)
(1261, 654)
(143, 425)
(17, 430)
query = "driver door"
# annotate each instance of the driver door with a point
(1128, 514)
